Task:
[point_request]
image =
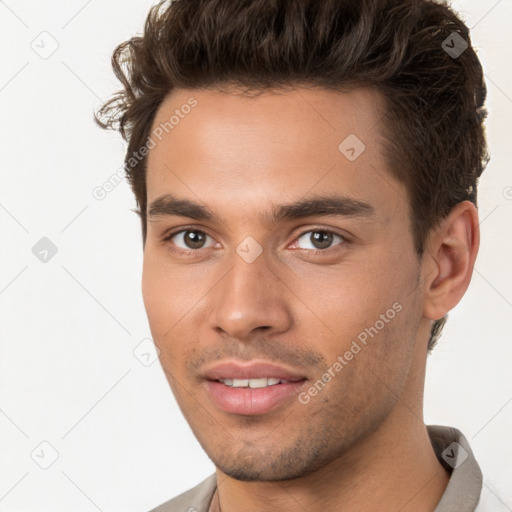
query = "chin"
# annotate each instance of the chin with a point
(261, 469)
(251, 475)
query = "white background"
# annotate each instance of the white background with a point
(69, 326)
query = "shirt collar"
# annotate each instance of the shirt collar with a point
(454, 453)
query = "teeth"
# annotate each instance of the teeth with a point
(252, 383)
(258, 383)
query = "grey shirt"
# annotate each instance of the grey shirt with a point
(450, 446)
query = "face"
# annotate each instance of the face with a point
(280, 278)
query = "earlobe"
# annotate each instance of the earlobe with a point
(451, 254)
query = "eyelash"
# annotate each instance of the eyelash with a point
(173, 249)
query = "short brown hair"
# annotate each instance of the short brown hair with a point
(416, 53)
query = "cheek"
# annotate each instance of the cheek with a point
(351, 296)
(165, 290)
(172, 301)
(369, 302)
(370, 358)
(163, 300)
(154, 297)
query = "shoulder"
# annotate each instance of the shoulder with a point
(196, 499)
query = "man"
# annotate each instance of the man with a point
(306, 177)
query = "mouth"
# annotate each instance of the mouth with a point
(251, 388)
(257, 383)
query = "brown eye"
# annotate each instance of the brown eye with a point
(189, 239)
(318, 239)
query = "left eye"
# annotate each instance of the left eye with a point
(318, 239)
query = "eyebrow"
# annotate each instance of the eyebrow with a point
(316, 206)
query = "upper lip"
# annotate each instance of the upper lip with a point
(250, 370)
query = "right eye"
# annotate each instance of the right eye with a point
(188, 239)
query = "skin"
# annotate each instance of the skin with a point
(361, 442)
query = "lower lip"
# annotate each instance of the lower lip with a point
(251, 401)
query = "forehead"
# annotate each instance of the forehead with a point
(228, 149)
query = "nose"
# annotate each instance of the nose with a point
(251, 298)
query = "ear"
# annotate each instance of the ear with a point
(449, 259)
